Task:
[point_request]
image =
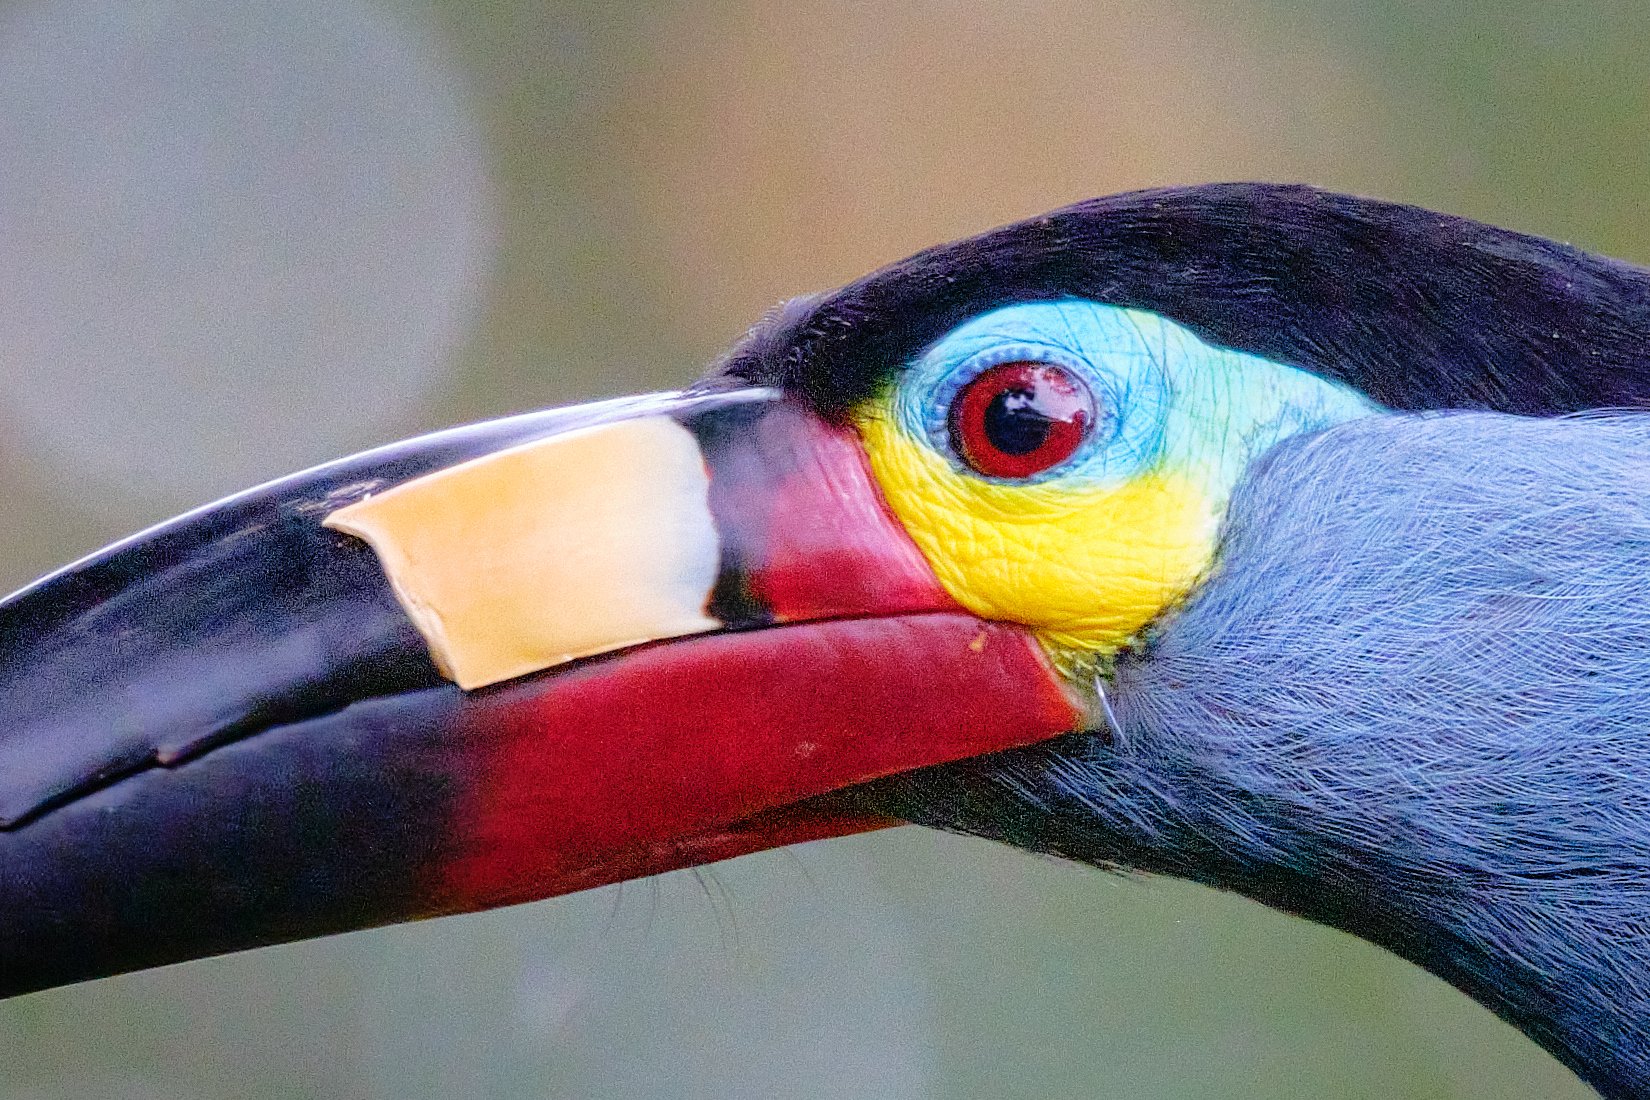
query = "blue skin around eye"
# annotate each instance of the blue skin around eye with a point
(1161, 394)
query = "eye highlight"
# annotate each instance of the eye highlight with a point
(1019, 419)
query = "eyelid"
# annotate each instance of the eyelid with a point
(938, 396)
(1124, 359)
(936, 422)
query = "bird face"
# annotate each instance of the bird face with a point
(1184, 446)
(1065, 465)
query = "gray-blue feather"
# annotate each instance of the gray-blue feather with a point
(1412, 701)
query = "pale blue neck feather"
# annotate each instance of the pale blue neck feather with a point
(1412, 702)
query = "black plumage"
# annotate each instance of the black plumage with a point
(1413, 698)
(1417, 309)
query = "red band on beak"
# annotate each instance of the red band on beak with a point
(656, 758)
(804, 527)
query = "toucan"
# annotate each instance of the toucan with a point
(1290, 542)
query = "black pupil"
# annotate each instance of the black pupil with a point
(1014, 424)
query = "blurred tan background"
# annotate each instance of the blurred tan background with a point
(236, 239)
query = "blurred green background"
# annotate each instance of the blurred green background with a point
(240, 238)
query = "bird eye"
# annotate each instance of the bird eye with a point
(1019, 419)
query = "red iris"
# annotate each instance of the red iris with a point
(1020, 419)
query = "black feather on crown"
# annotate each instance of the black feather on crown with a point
(1418, 310)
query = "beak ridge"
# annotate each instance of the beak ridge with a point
(564, 650)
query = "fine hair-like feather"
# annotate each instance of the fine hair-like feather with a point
(1412, 701)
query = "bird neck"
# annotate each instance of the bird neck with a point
(1411, 703)
(1414, 707)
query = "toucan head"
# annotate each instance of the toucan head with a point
(1240, 533)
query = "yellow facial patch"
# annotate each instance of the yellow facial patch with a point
(1085, 566)
(1093, 546)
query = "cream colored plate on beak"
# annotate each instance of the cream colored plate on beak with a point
(561, 548)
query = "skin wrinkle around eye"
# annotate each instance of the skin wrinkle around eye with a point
(1091, 551)
(1031, 554)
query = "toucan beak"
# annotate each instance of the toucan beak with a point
(490, 665)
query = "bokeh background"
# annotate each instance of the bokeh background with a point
(238, 238)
